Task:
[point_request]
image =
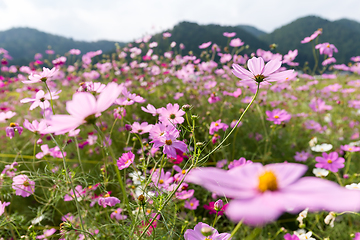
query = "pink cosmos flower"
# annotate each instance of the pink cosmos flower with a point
(163, 181)
(142, 128)
(44, 76)
(4, 116)
(185, 194)
(301, 156)
(238, 163)
(229, 35)
(205, 45)
(47, 233)
(313, 36)
(125, 160)
(79, 194)
(35, 126)
(331, 161)
(357, 236)
(150, 109)
(23, 186)
(117, 214)
(108, 201)
(262, 193)
(2, 207)
(191, 204)
(41, 99)
(326, 49)
(129, 98)
(236, 42)
(288, 236)
(12, 128)
(197, 233)
(83, 108)
(318, 105)
(170, 144)
(74, 51)
(10, 170)
(278, 116)
(328, 61)
(348, 148)
(216, 126)
(171, 115)
(260, 72)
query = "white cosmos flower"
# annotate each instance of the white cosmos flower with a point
(319, 172)
(322, 147)
(330, 219)
(353, 186)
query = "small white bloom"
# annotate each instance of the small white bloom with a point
(136, 177)
(322, 147)
(305, 236)
(312, 142)
(330, 219)
(302, 215)
(357, 143)
(319, 172)
(327, 117)
(37, 220)
(353, 186)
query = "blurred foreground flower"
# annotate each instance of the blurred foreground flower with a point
(202, 231)
(262, 193)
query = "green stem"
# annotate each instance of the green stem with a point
(125, 199)
(338, 178)
(233, 129)
(78, 153)
(236, 229)
(348, 161)
(51, 101)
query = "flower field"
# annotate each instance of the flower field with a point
(140, 144)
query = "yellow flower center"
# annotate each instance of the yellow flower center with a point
(106, 195)
(183, 171)
(216, 124)
(26, 184)
(329, 161)
(191, 204)
(276, 116)
(12, 124)
(168, 142)
(161, 181)
(267, 181)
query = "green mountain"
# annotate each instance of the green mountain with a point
(23, 43)
(192, 35)
(253, 30)
(344, 34)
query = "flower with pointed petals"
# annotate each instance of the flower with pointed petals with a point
(171, 115)
(170, 144)
(83, 108)
(202, 231)
(117, 214)
(4, 116)
(262, 193)
(260, 72)
(23, 185)
(41, 99)
(35, 126)
(191, 204)
(125, 160)
(12, 128)
(278, 116)
(44, 76)
(2, 207)
(108, 201)
(205, 45)
(331, 161)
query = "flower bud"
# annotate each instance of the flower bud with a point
(218, 205)
(186, 107)
(206, 231)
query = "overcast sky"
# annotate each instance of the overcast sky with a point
(126, 20)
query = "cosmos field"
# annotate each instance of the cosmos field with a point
(140, 144)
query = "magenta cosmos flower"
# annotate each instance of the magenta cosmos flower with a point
(2, 207)
(260, 72)
(331, 161)
(125, 160)
(326, 49)
(23, 186)
(171, 115)
(278, 116)
(83, 108)
(262, 193)
(202, 231)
